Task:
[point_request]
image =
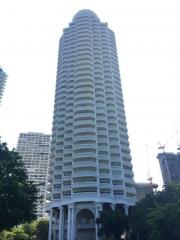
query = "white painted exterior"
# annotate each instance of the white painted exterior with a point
(90, 161)
(34, 150)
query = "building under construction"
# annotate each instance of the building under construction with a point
(170, 167)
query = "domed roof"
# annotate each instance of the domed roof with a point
(85, 12)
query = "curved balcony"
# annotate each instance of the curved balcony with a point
(85, 101)
(88, 90)
(84, 184)
(79, 85)
(126, 163)
(83, 44)
(130, 190)
(84, 96)
(118, 187)
(105, 185)
(83, 53)
(56, 190)
(84, 56)
(67, 187)
(84, 62)
(82, 146)
(84, 120)
(87, 154)
(85, 195)
(66, 177)
(128, 171)
(129, 180)
(117, 177)
(106, 166)
(85, 174)
(87, 137)
(83, 83)
(84, 36)
(85, 130)
(67, 168)
(125, 149)
(104, 175)
(126, 156)
(82, 108)
(103, 133)
(84, 163)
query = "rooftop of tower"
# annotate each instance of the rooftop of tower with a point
(85, 12)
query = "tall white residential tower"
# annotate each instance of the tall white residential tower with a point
(34, 150)
(90, 161)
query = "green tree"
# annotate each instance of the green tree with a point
(19, 234)
(16, 233)
(6, 235)
(157, 217)
(164, 222)
(138, 215)
(30, 229)
(35, 230)
(18, 196)
(113, 223)
(42, 229)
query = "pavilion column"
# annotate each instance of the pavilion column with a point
(50, 225)
(72, 223)
(98, 208)
(69, 224)
(61, 223)
(55, 224)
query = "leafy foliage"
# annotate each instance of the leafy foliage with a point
(42, 230)
(18, 196)
(113, 223)
(35, 230)
(157, 217)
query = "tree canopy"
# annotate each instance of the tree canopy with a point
(35, 230)
(157, 217)
(113, 223)
(18, 196)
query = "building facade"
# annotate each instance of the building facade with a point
(90, 162)
(170, 167)
(34, 149)
(3, 77)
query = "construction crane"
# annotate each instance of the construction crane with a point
(162, 147)
(149, 176)
(147, 163)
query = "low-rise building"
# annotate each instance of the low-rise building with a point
(142, 189)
